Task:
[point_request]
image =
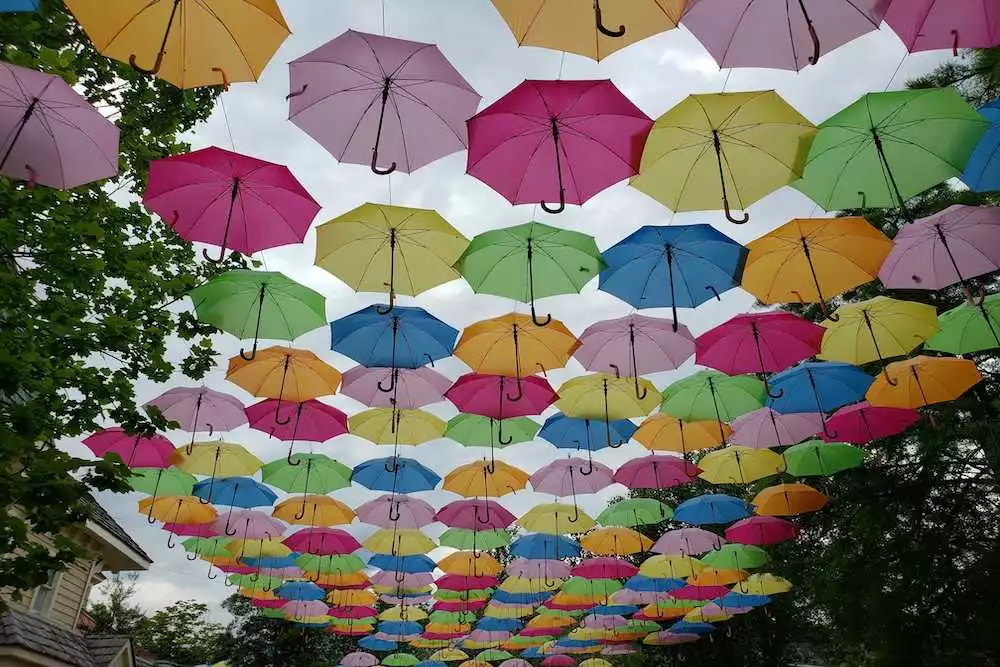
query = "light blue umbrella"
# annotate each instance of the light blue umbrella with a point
(370, 643)
(299, 590)
(711, 508)
(234, 491)
(405, 338)
(585, 435)
(19, 5)
(982, 171)
(818, 387)
(544, 546)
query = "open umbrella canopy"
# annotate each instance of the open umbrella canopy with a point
(923, 381)
(656, 472)
(475, 514)
(969, 328)
(514, 345)
(200, 409)
(413, 387)
(736, 557)
(133, 449)
(687, 542)
(313, 510)
(216, 459)
(284, 373)
(501, 397)
(235, 492)
(862, 422)
(739, 465)
(758, 343)
(485, 479)
(877, 329)
(405, 337)
(478, 431)
(633, 512)
(710, 395)
(615, 541)
(389, 426)
(926, 25)
(599, 396)
(399, 542)
(571, 477)
(395, 474)
(303, 473)
(475, 540)
(712, 508)
(555, 519)
(664, 433)
(165, 481)
(982, 172)
(817, 387)
(816, 458)
(764, 428)
(788, 500)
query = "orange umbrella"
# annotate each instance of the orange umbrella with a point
(789, 500)
(483, 478)
(663, 433)
(711, 576)
(313, 510)
(470, 564)
(342, 580)
(284, 373)
(615, 541)
(923, 381)
(177, 509)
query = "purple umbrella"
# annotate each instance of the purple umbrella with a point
(765, 428)
(779, 34)
(409, 581)
(51, 135)
(249, 525)
(571, 477)
(602, 622)
(687, 542)
(359, 659)
(370, 99)
(412, 388)
(396, 511)
(200, 409)
(635, 345)
(524, 568)
(629, 596)
(926, 25)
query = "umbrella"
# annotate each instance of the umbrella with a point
(303, 473)
(233, 201)
(522, 144)
(449, 655)
(788, 500)
(713, 508)
(400, 660)
(300, 591)
(465, 562)
(322, 541)
(284, 373)
(615, 541)
(736, 557)
(710, 395)
(605, 397)
(969, 328)
(927, 25)
(656, 472)
(389, 426)
(681, 267)
(414, 387)
(778, 34)
(249, 525)
(739, 465)
(177, 509)
(742, 144)
(663, 433)
(52, 135)
(762, 530)
(477, 431)
(168, 481)
(200, 409)
(922, 381)
(555, 519)
(811, 260)
(670, 638)
(758, 343)
(396, 102)
(311, 421)
(313, 510)
(888, 147)
(571, 433)
(604, 568)
(571, 477)
(372, 643)
(818, 458)
(196, 45)
(862, 422)
(259, 304)
(216, 459)
(687, 542)
(633, 512)
(947, 248)
(670, 566)
(243, 492)
(877, 329)
(396, 511)
(981, 171)
(475, 514)
(473, 540)
(525, 568)
(764, 584)
(565, 26)
(359, 659)
(480, 478)
(399, 542)
(529, 262)
(818, 387)
(389, 249)
(395, 474)
(543, 546)
(134, 450)
(20, 5)
(764, 428)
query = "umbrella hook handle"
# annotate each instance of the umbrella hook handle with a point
(163, 46)
(302, 512)
(635, 364)
(562, 188)
(189, 556)
(814, 58)
(514, 398)
(618, 372)
(392, 278)
(826, 431)
(227, 582)
(954, 44)
(534, 317)
(170, 541)
(481, 520)
(225, 79)
(717, 143)
(256, 333)
(775, 395)
(290, 460)
(392, 466)
(620, 32)
(392, 382)
(233, 194)
(500, 439)
(210, 575)
(378, 133)
(296, 93)
(715, 292)
(394, 516)
(589, 470)
(399, 576)
(531, 287)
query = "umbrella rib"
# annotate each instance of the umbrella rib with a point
(412, 97)
(372, 86)
(236, 43)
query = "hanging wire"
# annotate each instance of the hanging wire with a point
(383, 18)
(895, 72)
(225, 116)
(725, 84)
(562, 63)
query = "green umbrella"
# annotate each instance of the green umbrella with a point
(530, 261)
(206, 547)
(262, 582)
(815, 458)
(595, 588)
(260, 304)
(639, 627)
(888, 147)
(493, 655)
(713, 396)
(518, 641)
(969, 328)
(452, 617)
(400, 660)
(464, 539)
(736, 557)
(476, 431)
(336, 564)
(308, 473)
(272, 613)
(161, 481)
(635, 512)
(471, 594)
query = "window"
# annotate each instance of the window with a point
(41, 601)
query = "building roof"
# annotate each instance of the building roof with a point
(111, 529)
(30, 632)
(105, 648)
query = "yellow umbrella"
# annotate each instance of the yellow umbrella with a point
(711, 576)
(514, 345)
(341, 579)
(663, 433)
(555, 519)
(590, 634)
(763, 584)
(470, 564)
(394, 589)
(177, 509)
(186, 42)
(602, 396)
(701, 616)
(739, 465)
(258, 548)
(319, 511)
(551, 621)
(450, 628)
(391, 426)
(595, 662)
(284, 373)
(731, 147)
(257, 594)
(394, 249)
(518, 585)
(509, 611)
(420, 642)
(478, 663)
(666, 611)
(615, 541)
(670, 565)
(923, 381)
(449, 655)
(877, 329)
(518, 642)
(351, 598)
(484, 479)
(788, 500)
(403, 614)
(399, 542)
(217, 459)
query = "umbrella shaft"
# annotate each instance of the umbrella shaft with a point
(20, 128)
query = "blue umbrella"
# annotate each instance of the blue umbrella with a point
(584, 434)
(19, 5)
(735, 599)
(614, 610)
(400, 627)
(303, 624)
(657, 584)
(490, 624)
(370, 643)
(711, 508)
(680, 267)
(430, 663)
(271, 561)
(818, 387)
(234, 491)
(406, 338)
(688, 627)
(532, 653)
(576, 643)
(403, 564)
(522, 598)
(982, 171)
(396, 475)
(542, 546)
(299, 590)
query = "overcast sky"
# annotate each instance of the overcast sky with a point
(656, 74)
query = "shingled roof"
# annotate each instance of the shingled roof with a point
(100, 516)
(30, 632)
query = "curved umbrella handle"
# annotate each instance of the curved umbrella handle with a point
(192, 556)
(534, 316)
(253, 352)
(826, 431)
(590, 468)
(772, 394)
(392, 517)
(378, 133)
(296, 93)
(260, 312)
(170, 541)
(729, 214)
(814, 58)
(387, 309)
(163, 46)
(215, 260)
(954, 44)
(227, 582)
(557, 209)
(400, 577)
(392, 383)
(289, 460)
(481, 520)
(604, 30)
(562, 188)
(393, 466)
(210, 575)
(514, 398)
(302, 512)
(618, 372)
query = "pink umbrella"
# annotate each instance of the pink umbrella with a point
(765, 428)
(926, 25)
(761, 531)
(949, 247)
(137, 451)
(458, 605)
(290, 572)
(690, 592)
(656, 471)
(305, 608)
(413, 581)
(413, 387)
(759, 343)
(460, 582)
(312, 421)
(200, 409)
(322, 541)
(557, 139)
(488, 635)
(488, 396)
(779, 34)
(50, 134)
(515, 662)
(687, 542)
(249, 525)
(268, 604)
(605, 568)
(475, 514)
(359, 658)
(558, 660)
(541, 632)
(713, 608)
(603, 622)
(861, 423)
(571, 477)
(229, 200)
(370, 99)
(667, 638)
(396, 511)
(524, 568)
(636, 343)
(191, 529)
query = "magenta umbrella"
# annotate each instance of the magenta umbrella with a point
(298, 609)
(461, 582)
(359, 659)
(136, 451)
(466, 514)
(687, 542)
(558, 660)
(51, 135)
(636, 343)
(603, 622)
(525, 568)
(200, 409)
(230, 200)
(396, 511)
(779, 34)
(764, 428)
(862, 422)
(949, 247)
(312, 421)
(565, 140)
(488, 396)
(376, 100)
(927, 25)
(656, 471)
(572, 477)
(248, 525)
(191, 529)
(604, 568)
(759, 343)
(353, 612)
(412, 388)
(322, 541)
(699, 593)
(761, 531)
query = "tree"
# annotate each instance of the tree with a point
(87, 283)
(116, 615)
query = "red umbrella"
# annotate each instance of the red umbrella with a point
(475, 514)
(656, 472)
(135, 450)
(565, 140)
(604, 568)
(322, 541)
(862, 422)
(558, 660)
(761, 531)
(311, 421)
(690, 592)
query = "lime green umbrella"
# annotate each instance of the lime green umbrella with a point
(261, 304)
(594, 588)
(476, 431)
(493, 655)
(969, 328)
(713, 396)
(736, 557)
(888, 147)
(266, 612)
(400, 660)
(530, 261)
(471, 594)
(307, 473)
(207, 547)
(161, 481)
(462, 538)
(639, 627)
(635, 512)
(452, 617)
(816, 458)
(256, 581)
(336, 564)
